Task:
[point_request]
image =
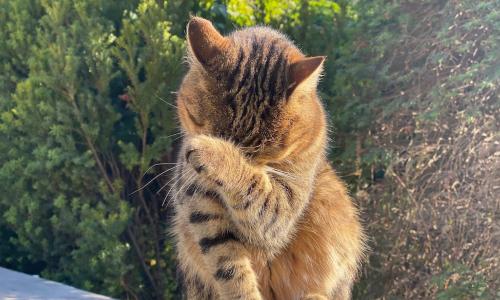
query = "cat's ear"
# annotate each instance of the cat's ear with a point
(205, 42)
(304, 73)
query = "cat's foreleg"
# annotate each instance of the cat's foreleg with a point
(263, 206)
(225, 256)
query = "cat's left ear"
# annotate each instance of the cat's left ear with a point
(204, 41)
(304, 73)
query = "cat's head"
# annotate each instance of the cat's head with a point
(252, 87)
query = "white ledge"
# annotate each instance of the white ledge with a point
(19, 286)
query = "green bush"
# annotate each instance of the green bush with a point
(80, 124)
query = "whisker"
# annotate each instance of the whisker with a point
(168, 136)
(177, 180)
(171, 187)
(157, 164)
(150, 181)
(166, 184)
(186, 183)
(170, 104)
(178, 137)
(175, 196)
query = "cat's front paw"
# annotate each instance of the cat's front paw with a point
(216, 160)
(193, 157)
(205, 155)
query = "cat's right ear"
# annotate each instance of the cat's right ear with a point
(304, 73)
(205, 42)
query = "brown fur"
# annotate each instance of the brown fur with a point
(260, 214)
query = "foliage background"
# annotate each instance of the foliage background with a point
(411, 87)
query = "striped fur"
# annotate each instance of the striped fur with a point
(259, 212)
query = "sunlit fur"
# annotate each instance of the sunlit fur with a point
(260, 214)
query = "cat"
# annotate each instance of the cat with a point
(260, 213)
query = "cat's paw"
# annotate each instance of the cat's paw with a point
(205, 155)
(193, 157)
(216, 160)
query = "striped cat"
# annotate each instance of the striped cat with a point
(260, 214)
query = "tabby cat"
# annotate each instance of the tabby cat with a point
(260, 214)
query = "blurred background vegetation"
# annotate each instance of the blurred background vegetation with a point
(86, 93)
